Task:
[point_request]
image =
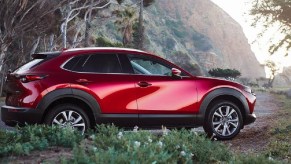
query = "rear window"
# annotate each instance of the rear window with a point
(38, 58)
(97, 63)
(28, 66)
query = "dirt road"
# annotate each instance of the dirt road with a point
(255, 137)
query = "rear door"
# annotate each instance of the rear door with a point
(102, 76)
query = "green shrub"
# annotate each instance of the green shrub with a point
(29, 138)
(112, 145)
(105, 42)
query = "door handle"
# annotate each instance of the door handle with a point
(143, 84)
(83, 81)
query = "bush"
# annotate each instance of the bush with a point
(104, 42)
(29, 138)
(225, 73)
(111, 145)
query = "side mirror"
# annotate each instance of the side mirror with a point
(176, 72)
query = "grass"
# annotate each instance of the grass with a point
(280, 145)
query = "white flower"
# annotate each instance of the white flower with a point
(183, 153)
(270, 159)
(119, 135)
(150, 140)
(191, 155)
(165, 131)
(194, 130)
(136, 144)
(92, 137)
(94, 148)
(135, 129)
(160, 144)
(178, 147)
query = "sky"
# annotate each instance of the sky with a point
(238, 9)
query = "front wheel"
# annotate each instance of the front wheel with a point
(224, 120)
(68, 115)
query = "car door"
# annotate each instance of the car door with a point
(101, 75)
(162, 98)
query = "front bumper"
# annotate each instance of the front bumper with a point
(12, 116)
(250, 118)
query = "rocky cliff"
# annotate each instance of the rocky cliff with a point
(199, 29)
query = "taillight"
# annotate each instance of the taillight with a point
(29, 78)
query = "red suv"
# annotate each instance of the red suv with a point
(80, 88)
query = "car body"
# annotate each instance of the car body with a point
(83, 87)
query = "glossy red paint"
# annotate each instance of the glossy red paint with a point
(120, 93)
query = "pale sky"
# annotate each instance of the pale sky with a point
(239, 9)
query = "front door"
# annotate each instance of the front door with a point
(162, 98)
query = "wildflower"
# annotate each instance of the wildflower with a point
(150, 140)
(92, 137)
(165, 130)
(135, 129)
(183, 153)
(94, 148)
(160, 144)
(270, 159)
(191, 155)
(119, 135)
(177, 146)
(136, 144)
(193, 130)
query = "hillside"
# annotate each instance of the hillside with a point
(206, 39)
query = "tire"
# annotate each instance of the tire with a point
(223, 121)
(68, 115)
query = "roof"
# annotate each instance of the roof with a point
(104, 48)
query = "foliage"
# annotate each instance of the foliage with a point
(273, 13)
(225, 73)
(273, 69)
(112, 145)
(126, 18)
(109, 144)
(29, 138)
(104, 42)
(280, 145)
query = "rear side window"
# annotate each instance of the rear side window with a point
(97, 63)
(28, 65)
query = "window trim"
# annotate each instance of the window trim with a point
(88, 56)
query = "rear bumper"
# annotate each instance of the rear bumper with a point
(250, 118)
(12, 116)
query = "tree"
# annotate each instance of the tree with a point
(225, 73)
(22, 23)
(273, 13)
(273, 68)
(72, 10)
(18, 18)
(142, 4)
(126, 18)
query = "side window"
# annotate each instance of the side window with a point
(97, 63)
(148, 66)
(102, 63)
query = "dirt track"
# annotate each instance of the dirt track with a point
(255, 137)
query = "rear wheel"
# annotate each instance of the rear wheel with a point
(68, 115)
(224, 120)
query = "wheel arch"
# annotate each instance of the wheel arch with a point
(72, 96)
(228, 94)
